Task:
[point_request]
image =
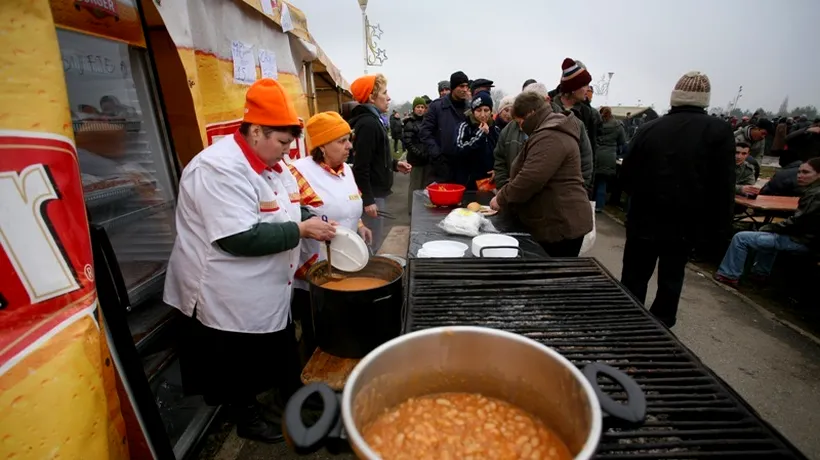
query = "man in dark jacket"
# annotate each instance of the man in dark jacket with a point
(440, 126)
(416, 153)
(804, 143)
(443, 89)
(571, 95)
(679, 166)
(373, 166)
(395, 130)
(784, 181)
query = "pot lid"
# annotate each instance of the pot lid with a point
(349, 251)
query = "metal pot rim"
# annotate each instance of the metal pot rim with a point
(357, 440)
(377, 258)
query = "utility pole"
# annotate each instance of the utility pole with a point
(373, 55)
(739, 95)
(363, 6)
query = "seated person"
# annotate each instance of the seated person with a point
(744, 172)
(784, 181)
(798, 233)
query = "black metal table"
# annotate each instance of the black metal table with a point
(425, 219)
(576, 307)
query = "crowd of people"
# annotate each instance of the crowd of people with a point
(548, 152)
(249, 228)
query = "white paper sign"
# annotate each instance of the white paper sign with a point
(286, 21)
(244, 65)
(267, 7)
(267, 61)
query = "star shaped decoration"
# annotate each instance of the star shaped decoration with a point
(383, 55)
(377, 31)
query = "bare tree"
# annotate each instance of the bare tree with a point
(784, 107)
(497, 94)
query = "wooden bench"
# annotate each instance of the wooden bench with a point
(333, 370)
(752, 220)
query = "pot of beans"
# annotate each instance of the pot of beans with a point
(355, 312)
(467, 392)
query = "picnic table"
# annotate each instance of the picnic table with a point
(763, 209)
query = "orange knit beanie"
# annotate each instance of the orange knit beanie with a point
(325, 127)
(267, 104)
(362, 88)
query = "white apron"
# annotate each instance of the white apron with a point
(327, 193)
(226, 190)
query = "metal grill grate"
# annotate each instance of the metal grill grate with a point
(575, 307)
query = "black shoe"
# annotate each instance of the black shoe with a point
(668, 321)
(251, 424)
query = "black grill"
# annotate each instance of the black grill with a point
(575, 307)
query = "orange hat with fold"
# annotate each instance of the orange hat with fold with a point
(267, 104)
(362, 88)
(324, 128)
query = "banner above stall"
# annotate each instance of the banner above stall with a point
(114, 19)
(293, 21)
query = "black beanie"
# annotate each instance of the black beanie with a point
(767, 125)
(481, 98)
(458, 78)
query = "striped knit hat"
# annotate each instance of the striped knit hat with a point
(692, 89)
(574, 76)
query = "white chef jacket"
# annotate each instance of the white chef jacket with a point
(327, 192)
(225, 190)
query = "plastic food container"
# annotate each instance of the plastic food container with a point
(348, 250)
(445, 194)
(445, 248)
(495, 245)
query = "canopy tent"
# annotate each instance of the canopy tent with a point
(194, 45)
(620, 111)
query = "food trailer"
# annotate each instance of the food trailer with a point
(103, 103)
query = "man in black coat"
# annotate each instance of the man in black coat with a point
(440, 126)
(571, 94)
(395, 130)
(680, 173)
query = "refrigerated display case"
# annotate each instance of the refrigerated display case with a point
(129, 183)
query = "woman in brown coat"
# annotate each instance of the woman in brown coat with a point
(546, 190)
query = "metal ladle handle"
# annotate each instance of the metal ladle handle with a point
(327, 246)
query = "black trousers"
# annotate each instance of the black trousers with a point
(303, 314)
(234, 367)
(640, 257)
(563, 248)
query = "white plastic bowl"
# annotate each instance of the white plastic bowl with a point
(508, 245)
(446, 246)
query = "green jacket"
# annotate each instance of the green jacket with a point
(264, 238)
(804, 226)
(510, 142)
(610, 137)
(744, 175)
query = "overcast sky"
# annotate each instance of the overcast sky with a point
(769, 47)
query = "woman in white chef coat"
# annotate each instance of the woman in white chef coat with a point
(326, 187)
(231, 272)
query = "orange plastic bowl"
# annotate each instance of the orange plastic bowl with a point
(446, 194)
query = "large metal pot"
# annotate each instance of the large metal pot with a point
(352, 323)
(470, 359)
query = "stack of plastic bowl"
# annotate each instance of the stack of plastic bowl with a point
(442, 249)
